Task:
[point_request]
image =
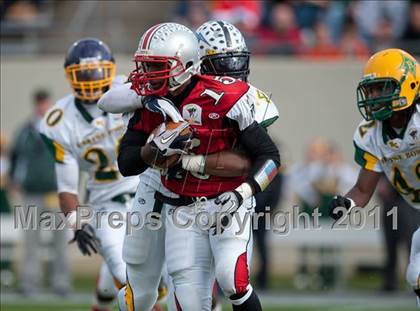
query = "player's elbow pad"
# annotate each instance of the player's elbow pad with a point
(259, 145)
(129, 163)
(129, 158)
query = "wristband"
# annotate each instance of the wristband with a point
(352, 204)
(265, 175)
(245, 190)
(194, 163)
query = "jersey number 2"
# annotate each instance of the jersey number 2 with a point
(104, 171)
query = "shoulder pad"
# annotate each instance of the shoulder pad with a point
(266, 112)
(364, 143)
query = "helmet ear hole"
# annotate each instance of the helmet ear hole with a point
(412, 85)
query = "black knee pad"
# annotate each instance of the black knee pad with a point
(104, 298)
(251, 304)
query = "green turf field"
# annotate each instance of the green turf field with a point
(362, 296)
(81, 307)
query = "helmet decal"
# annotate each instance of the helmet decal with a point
(148, 35)
(390, 83)
(200, 38)
(408, 65)
(226, 33)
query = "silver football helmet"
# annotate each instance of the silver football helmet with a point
(166, 58)
(223, 51)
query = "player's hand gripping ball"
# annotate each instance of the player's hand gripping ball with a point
(167, 143)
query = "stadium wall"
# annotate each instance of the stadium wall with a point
(314, 98)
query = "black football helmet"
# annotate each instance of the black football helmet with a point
(90, 68)
(223, 50)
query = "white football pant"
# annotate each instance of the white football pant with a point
(196, 253)
(144, 248)
(111, 236)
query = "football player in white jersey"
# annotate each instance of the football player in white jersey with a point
(123, 99)
(388, 139)
(82, 137)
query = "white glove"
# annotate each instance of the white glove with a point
(229, 202)
(163, 106)
(170, 141)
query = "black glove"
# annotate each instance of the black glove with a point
(339, 201)
(417, 291)
(175, 171)
(86, 240)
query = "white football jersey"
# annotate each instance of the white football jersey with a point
(86, 138)
(265, 110)
(398, 157)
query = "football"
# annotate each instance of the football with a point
(153, 156)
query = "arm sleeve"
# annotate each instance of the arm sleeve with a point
(365, 159)
(58, 142)
(66, 166)
(363, 141)
(264, 154)
(120, 99)
(266, 112)
(67, 175)
(130, 162)
(243, 112)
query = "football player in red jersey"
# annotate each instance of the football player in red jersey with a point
(220, 110)
(223, 51)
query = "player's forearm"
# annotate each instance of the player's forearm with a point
(364, 188)
(264, 154)
(130, 161)
(359, 197)
(69, 202)
(229, 163)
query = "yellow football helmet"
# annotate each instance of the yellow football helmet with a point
(390, 82)
(90, 68)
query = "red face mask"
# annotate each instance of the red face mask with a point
(152, 74)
